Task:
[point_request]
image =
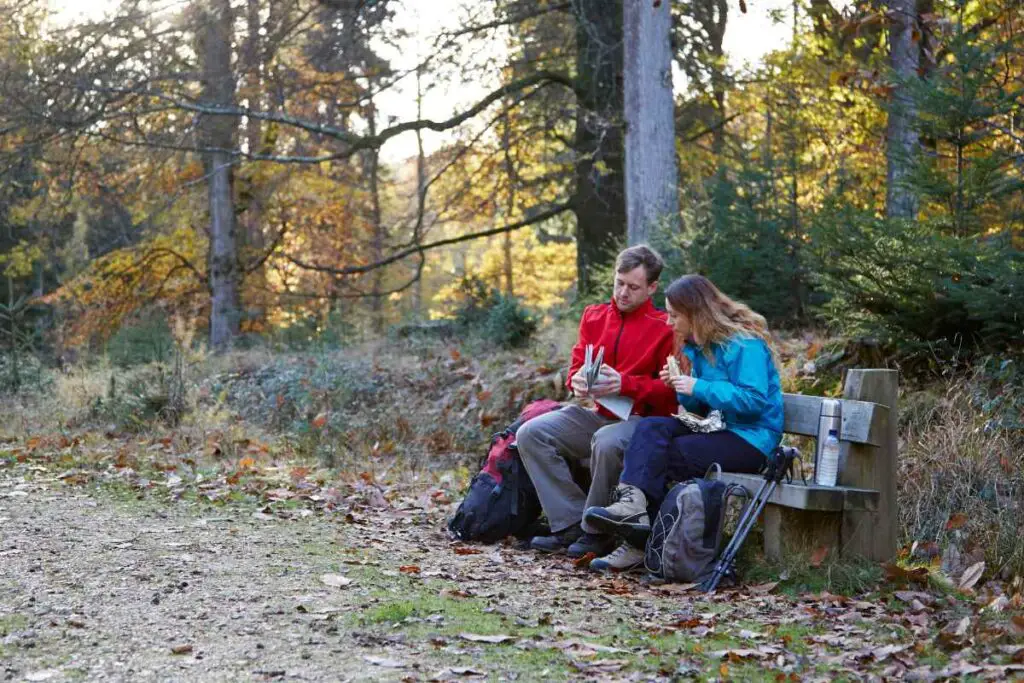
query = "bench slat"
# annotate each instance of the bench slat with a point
(861, 421)
(820, 498)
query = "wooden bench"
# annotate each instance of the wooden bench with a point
(858, 516)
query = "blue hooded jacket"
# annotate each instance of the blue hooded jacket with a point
(744, 384)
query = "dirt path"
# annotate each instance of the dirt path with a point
(94, 587)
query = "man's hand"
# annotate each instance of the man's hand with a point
(683, 384)
(579, 384)
(609, 382)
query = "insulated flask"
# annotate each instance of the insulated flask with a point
(826, 458)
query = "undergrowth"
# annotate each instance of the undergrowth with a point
(961, 476)
(405, 406)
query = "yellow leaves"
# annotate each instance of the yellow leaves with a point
(19, 261)
(542, 272)
(116, 285)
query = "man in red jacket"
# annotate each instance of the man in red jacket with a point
(637, 340)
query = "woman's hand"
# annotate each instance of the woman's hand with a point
(665, 377)
(683, 384)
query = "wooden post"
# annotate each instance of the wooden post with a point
(872, 533)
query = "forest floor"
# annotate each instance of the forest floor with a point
(100, 580)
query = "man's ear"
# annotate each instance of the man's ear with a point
(652, 288)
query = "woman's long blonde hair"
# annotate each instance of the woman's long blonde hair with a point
(713, 315)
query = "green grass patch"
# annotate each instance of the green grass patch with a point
(796, 576)
(11, 623)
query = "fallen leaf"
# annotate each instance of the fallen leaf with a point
(183, 649)
(883, 653)
(409, 569)
(674, 587)
(43, 675)
(600, 666)
(463, 550)
(579, 645)
(446, 674)
(584, 561)
(735, 654)
(971, 575)
(384, 661)
(954, 637)
(320, 420)
(477, 638)
(693, 622)
(910, 596)
(997, 605)
(956, 521)
(897, 574)
(764, 588)
(819, 555)
(335, 580)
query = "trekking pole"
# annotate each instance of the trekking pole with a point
(778, 467)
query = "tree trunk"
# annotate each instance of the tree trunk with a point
(219, 133)
(251, 235)
(421, 187)
(371, 169)
(901, 137)
(599, 195)
(652, 198)
(510, 202)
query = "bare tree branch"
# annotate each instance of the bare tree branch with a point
(354, 141)
(419, 249)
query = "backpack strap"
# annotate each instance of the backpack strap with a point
(714, 468)
(736, 491)
(714, 508)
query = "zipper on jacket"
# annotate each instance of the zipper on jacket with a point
(622, 326)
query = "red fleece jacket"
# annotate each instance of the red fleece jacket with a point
(637, 345)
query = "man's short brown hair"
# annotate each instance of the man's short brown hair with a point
(640, 255)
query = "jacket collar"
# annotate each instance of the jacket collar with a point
(646, 308)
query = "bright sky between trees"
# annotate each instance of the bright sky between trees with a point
(749, 36)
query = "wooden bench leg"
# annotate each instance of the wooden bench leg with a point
(788, 531)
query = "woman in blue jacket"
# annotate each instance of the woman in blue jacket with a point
(728, 365)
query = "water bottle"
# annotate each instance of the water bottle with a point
(826, 470)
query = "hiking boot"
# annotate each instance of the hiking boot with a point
(622, 559)
(599, 544)
(557, 542)
(626, 516)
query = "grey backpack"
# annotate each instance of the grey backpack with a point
(686, 537)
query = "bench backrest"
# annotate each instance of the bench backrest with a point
(860, 421)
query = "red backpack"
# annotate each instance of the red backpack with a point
(502, 500)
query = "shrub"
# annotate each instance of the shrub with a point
(26, 372)
(495, 318)
(961, 483)
(146, 339)
(134, 399)
(508, 324)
